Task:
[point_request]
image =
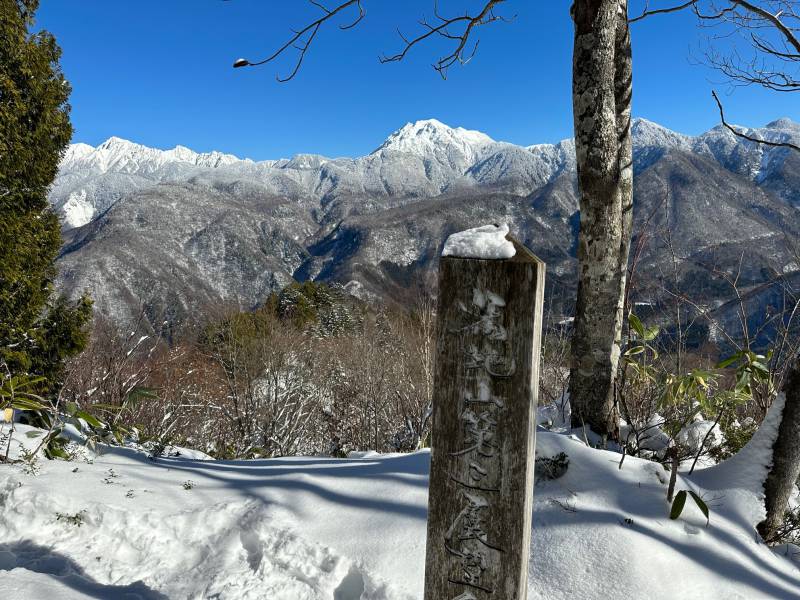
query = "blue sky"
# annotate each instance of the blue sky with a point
(158, 72)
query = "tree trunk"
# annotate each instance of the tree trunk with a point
(785, 459)
(601, 97)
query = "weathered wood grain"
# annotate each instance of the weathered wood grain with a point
(481, 481)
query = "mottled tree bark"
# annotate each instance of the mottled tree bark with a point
(785, 460)
(601, 92)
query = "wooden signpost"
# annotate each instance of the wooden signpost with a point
(484, 407)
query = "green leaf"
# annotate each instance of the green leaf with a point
(677, 505)
(25, 404)
(636, 324)
(743, 381)
(142, 393)
(90, 419)
(651, 333)
(632, 351)
(703, 506)
(761, 368)
(56, 451)
(30, 396)
(727, 362)
(22, 384)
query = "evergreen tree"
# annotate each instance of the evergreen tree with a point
(37, 332)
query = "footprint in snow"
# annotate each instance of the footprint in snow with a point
(351, 587)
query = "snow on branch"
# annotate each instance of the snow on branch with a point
(302, 38)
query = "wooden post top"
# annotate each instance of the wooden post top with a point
(523, 253)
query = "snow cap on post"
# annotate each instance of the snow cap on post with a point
(488, 242)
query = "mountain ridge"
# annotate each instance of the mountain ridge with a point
(447, 156)
(398, 140)
(219, 229)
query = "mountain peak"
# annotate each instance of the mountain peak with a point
(182, 154)
(122, 155)
(432, 138)
(782, 123)
(426, 123)
(642, 123)
(646, 133)
(115, 142)
(76, 151)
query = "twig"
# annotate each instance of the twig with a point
(705, 439)
(303, 38)
(647, 13)
(311, 31)
(774, 19)
(484, 17)
(673, 476)
(10, 437)
(563, 505)
(748, 137)
(624, 451)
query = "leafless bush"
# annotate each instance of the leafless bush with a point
(258, 384)
(113, 369)
(379, 385)
(270, 397)
(554, 369)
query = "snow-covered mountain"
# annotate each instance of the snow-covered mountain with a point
(647, 134)
(433, 140)
(169, 229)
(122, 156)
(90, 180)
(420, 159)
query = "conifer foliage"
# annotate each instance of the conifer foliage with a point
(37, 330)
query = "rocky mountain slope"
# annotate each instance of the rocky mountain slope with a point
(174, 232)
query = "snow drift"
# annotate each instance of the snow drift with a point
(121, 525)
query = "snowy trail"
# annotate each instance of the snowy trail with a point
(242, 530)
(349, 529)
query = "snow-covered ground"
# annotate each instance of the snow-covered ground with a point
(124, 526)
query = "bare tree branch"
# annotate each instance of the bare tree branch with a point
(743, 135)
(659, 11)
(768, 48)
(469, 22)
(303, 38)
(306, 36)
(713, 16)
(774, 19)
